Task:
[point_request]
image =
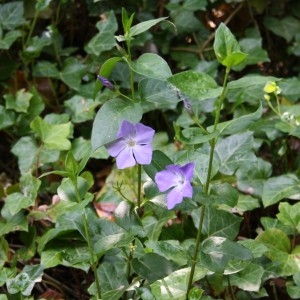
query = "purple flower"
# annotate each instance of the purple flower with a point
(106, 82)
(132, 146)
(177, 180)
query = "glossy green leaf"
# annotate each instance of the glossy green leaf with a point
(144, 26)
(251, 177)
(199, 86)
(53, 136)
(9, 38)
(127, 218)
(4, 251)
(239, 124)
(81, 109)
(29, 186)
(113, 282)
(217, 222)
(159, 93)
(293, 291)
(158, 163)
(217, 252)
(170, 249)
(257, 248)
(11, 15)
(45, 69)
(227, 48)
(26, 149)
(7, 117)
(109, 118)
(42, 4)
(72, 73)
(151, 65)
(152, 266)
(174, 286)
(35, 46)
(105, 71)
(235, 151)
(25, 281)
(11, 223)
(7, 273)
(279, 251)
(249, 279)
(20, 102)
(278, 188)
(67, 191)
(289, 215)
(287, 27)
(105, 39)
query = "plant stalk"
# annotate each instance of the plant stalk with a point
(207, 183)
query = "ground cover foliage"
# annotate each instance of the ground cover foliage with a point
(218, 82)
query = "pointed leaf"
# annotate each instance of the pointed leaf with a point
(144, 26)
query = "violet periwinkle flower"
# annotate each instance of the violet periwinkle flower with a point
(177, 181)
(132, 146)
(106, 82)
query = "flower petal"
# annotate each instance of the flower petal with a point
(187, 189)
(143, 154)
(165, 179)
(188, 171)
(115, 147)
(127, 129)
(174, 197)
(144, 134)
(125, 159)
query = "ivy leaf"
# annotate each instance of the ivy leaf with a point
(20, 102)
(278, 188)
(9, 38)
(11, 14)
(53, 136)
(226, 47)
(7, 117)
(289, 215)
(105, 39)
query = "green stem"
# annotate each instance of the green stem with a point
(278, 104)
(32, 27)
(130, 70)
(139, 188)
(88, 240)
(207, 183)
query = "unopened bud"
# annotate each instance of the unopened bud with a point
(106, 82)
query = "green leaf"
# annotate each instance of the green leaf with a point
(11, 223)
(249, 279)
(11, 15)
(287, 27)
(144, 26)
(26, 149)
(29, 186)
(289, 215)
(36, 45)
(45, 69)
(9, 38)
(67, 191)
(199, 86)
(105, 71)
(42, 4)
(25, 281)
(235, 151)
(283, 261)
(127, 218)
(53, 136)
(278, 188)
(109, 118)
(227, 48)
(217, 252)
(81, 109)
(158, 163)
(151, 65)
(4, 252)
(7, 273)
(174, 286)
(158, 93)
(238, 124)
(113, 282)
(152, 266)
(20, 102)
(72, 73)
(105, 39)
(217, 222)
(7, 117)
(170, 250)
(251, 177)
